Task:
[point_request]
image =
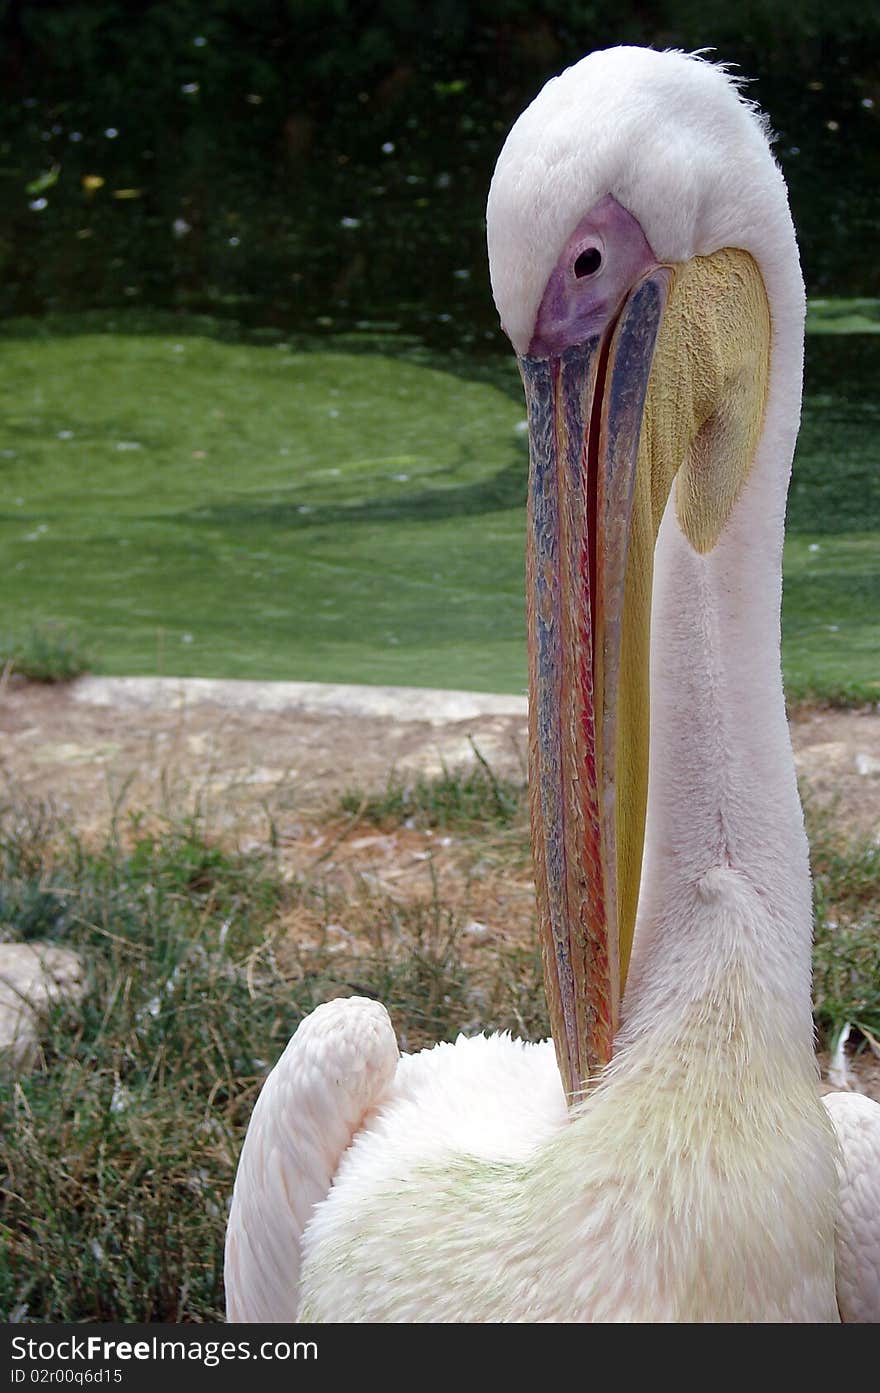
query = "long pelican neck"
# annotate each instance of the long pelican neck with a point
(709, 1107)
(724, 923)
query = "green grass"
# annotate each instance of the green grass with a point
(846, 951)
(348, 510)
(49, 652)
(470, 800)
(118, 1152)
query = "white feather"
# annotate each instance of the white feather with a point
(336, 1067)
(857, 1124)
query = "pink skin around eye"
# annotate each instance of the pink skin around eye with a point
(577, 308)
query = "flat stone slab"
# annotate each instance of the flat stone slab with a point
(426, 704)
(33, 977)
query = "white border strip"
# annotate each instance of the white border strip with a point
(428, 704)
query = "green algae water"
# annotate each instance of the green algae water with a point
(352, 509)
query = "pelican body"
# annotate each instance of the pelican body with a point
(666, 1156)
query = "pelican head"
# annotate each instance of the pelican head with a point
(639, 234)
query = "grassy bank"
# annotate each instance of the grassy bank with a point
(352, 510)
(117, 1154)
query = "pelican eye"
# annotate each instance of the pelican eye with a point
(588, 262)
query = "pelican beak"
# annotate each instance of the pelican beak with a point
(588, 670)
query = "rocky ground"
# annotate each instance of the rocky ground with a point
(249, 757)
(101, 747)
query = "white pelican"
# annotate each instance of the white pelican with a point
(671, 1160)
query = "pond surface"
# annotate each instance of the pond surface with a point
(350, 508)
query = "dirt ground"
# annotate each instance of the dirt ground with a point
(94, 760)
(236, 763)
(247, 769)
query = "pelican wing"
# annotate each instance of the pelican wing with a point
(334, 1071)
(857, 1124)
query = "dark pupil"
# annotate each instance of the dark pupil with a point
(588, 262)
